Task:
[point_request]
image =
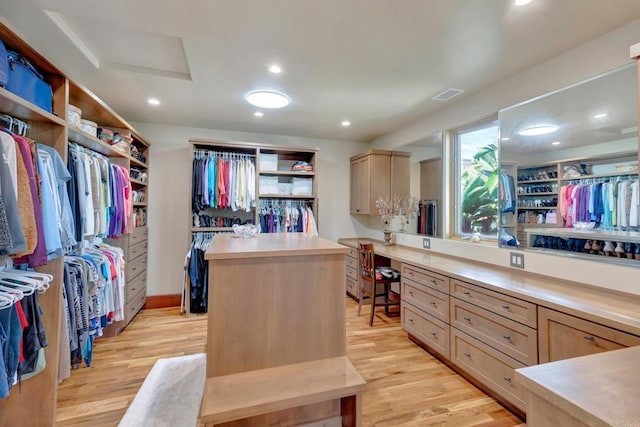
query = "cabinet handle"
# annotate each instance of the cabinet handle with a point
(590, 338)
(411, 293)
(433, 333)
(411, 273)
(434, 281)
(411, 320)
(507, 379)
(467, 293)
(468, 319)
(467, 354)
(506, 307)
(507, 337)
(433, 303)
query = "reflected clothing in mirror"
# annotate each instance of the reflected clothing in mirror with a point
(427, 217)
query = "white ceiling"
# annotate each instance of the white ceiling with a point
(376, 63)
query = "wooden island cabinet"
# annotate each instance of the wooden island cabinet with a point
(277, 309)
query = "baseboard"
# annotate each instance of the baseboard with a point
(162, 301)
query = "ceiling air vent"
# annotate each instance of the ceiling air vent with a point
(447, 94)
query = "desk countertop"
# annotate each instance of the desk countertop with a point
(603, 306)
(270, 245)
(599, 390)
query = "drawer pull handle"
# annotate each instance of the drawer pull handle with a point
(467, 293)
(507, 379)
(467, 354)
(433, 333)
(433, 303)
(590, 338)
(507, 337)
(411, 293)
(434, 281)
(411, 320)
(411, 273)
(506, 307)
(468, 319)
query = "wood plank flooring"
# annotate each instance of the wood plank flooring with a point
(406, 385)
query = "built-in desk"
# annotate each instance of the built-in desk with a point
(596, 390)
(487, 321)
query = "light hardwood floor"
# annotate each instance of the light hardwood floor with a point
(406, 385)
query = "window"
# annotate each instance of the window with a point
(476, 185)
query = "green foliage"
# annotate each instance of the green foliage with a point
(480, 192)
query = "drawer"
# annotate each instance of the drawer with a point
(138, 249)
(352, 287)
(135, 305)
(512, 338)
(427, 299)
(135, 267)
(562, 336)
(425, 277)
(352, 273)
(428, 329)
(351, 262)
(488, 366)
(505, 305)
(138, 235)
(132, 287)
(353, 253)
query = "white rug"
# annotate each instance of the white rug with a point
(170, 395)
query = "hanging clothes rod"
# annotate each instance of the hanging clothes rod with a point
(224, 154)
(14, 125)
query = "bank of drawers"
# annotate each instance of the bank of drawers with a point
(425, 307)
(135, 272)
(351, 270)
(489, 366)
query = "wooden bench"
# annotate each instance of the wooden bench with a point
(252, 393)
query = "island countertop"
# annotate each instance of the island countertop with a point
(269, 245)
(598, 390)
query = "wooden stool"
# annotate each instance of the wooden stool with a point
(252, 393)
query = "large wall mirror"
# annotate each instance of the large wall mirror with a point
(427, 185)
(569, 171)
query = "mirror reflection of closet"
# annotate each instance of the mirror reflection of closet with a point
(591, 137)
(427, 184)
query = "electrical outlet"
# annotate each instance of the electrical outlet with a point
(426, 243)
(517, 260)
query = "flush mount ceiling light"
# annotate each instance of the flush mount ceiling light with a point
(267, 99)
(600, 116)
(538, 130)
(555, 143)
(275, 69)
(505, 138)
(345, 123)
(153, 101)
(522, 2)
(258, 114)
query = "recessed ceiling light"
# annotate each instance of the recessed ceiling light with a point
(153, 101)
(275, 69)
(346, 123)
(505, 138)
(538, 130)
(258, 114)
(600, 116)
(555, 143)
(522, 2)
(267, 99)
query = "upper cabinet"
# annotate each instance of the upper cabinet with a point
(377, 173)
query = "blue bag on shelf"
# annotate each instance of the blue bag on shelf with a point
(4, 65)
(26, 82)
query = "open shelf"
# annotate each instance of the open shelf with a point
(137, 162)
(139, 204)
(591, 257)
(22, 109)
(138, 182)
(538, 181)
(287, 173)
(205, 229)
(622, 236)
(537, 194)
(89, 141)
(602, 175)
(539, 208)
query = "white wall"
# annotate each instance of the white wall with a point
(598, 56)
(170, 201)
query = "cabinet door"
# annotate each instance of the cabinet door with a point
(562, 336)
(360, 190)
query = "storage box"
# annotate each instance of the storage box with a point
(74, 115)
(268, 162)
(302, 187)
(268, 185)
(89, 127)
(285, 188)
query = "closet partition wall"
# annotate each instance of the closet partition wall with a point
(33, 400)
(271, 187)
